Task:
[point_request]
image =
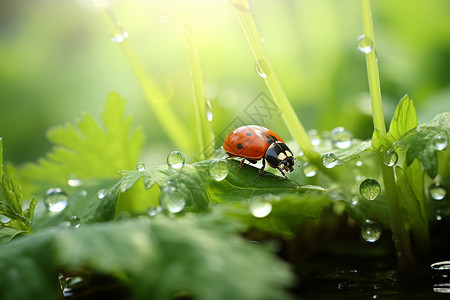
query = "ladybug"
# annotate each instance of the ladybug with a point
(253, 143)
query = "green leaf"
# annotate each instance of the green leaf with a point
(405, 118)
(156, 259)
(423, 141)
(89, 150)
(195, 183)
(380, 141)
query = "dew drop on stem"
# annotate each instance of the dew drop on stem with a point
(365, 44)
(390, 158)
(262, 68)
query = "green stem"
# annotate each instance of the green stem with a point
(400, 235)
(156, 98)
(204, 130)
(1, 159)
(372, 69)
(266, 71)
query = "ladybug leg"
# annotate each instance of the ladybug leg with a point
(261, 170)
(282, 173)
(241, 164)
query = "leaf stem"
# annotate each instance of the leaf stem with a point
(266, 71)
(204, 130)
(156, 98)
(372, 69)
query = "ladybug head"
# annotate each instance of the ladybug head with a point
(280, 157)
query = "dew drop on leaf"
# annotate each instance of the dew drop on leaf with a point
(309, 170)
(370, 189)
(74, 222)
(365, 44)
(440, 142)
(341, 138)
(74, 181)
(118, 35)
(314, 137)
(172, 199)
(218, 170)
(140, 166)
(4, 219)
(153, 210)
(329, 160)
(55, 200)
(371, 231)
(260, 208)
(175, 160)
(437, 192)
(390, 158)
(101, 194)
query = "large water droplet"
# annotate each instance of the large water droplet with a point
(309, 170)
(140, 166)
(74, 222)
(241, 5)
(218, 170)
(365, 44)
(437, 192)
(55, 200)
(341, 138)
(260, 208)
(370, 189)
(262, 68)
(175, 160)
(329, 160)
(371, 231)
(74, 181)
(390, 158)
(440, 142)
(314, 136)
(153, 210)
(172, 199)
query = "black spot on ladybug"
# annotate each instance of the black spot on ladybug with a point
(248, 134)
(239, 145)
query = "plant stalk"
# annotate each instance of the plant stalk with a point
(155, 97)
(266, 71)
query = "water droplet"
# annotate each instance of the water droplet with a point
(440, 142)
(218, 170)
(260, 208)
(172, 199)
(371, 231)
(442, 288)
(153, 210)
(438, 217)
(55, 200)
(314, 136)
(442, 265)
(74, 222)
(309, 170)
(74, 182)
(118, 35)
(262, 68)
(359, 163)
(329, 160)
(101, 194)
(4, 219)
(365, 44)
(370, 189)
(341, 138)
(241, 5)
(390, 158)
(437, 192)
(175, 160)
(140, 166)
(209, 114)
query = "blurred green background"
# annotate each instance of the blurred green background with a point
(56, 61)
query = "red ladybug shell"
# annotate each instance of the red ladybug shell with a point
(250, 141)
